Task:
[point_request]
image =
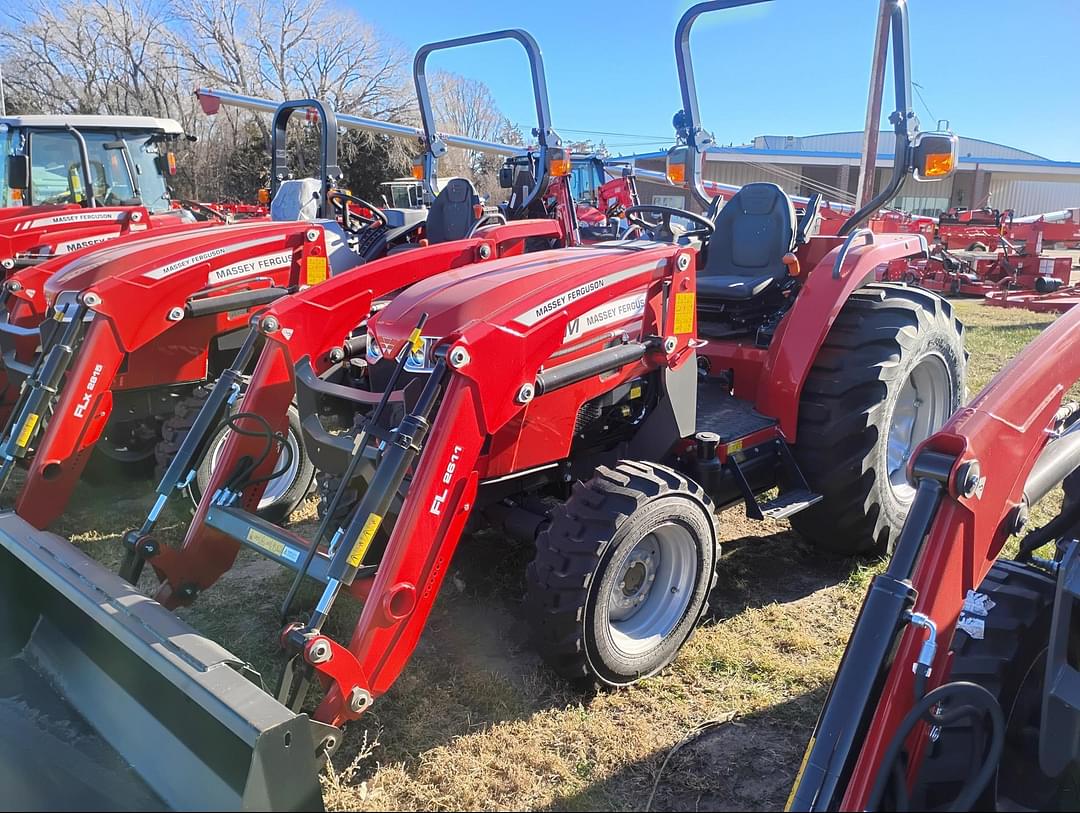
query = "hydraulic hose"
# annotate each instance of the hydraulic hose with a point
(979, 700)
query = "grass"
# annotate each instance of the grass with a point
(476, 722)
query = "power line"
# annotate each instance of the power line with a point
(918, 92)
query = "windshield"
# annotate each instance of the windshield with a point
(56, 174)
(584, 181)
(403, 195)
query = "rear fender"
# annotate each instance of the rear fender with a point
(809, 320)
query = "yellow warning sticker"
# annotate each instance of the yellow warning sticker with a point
(27, 430)
(684, 312)
(734, 446)
(316, 270)
(363, 542)
(267, 543)
(635, 391)
(415, 340)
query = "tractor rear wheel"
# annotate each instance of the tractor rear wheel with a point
(1009, 660)
(622, 574)
(283, 493)
(891, 371)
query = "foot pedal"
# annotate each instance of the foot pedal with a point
(788, 503)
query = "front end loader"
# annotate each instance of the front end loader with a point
(958, 689)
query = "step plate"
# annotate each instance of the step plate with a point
(731, 418)
(788, 503)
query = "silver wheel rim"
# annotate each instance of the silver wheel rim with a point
(279, 486)
(924, 402)
(655, 583)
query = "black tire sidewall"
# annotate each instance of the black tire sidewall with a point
(932, 342)
(610, 664)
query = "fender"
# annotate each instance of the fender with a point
(816, 307)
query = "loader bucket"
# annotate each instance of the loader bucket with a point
(109, 701)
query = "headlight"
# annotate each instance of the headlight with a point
(374, 352)
(422, 360)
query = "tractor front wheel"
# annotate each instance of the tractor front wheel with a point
(622, 574)
(283, 493)
(890, 373)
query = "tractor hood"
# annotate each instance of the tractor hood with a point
(9, 212)
(159, 257)
(517, 292)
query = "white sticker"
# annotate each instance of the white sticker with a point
(619, 310)
(557, 303)
(256, 265)
(978, 604)
(75, 245)
(187, 262)
(78, 217)
(972, 625)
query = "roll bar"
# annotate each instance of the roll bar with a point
(436, 145)
(84, 157)
(329, 172)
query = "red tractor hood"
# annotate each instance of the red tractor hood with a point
(157, 257)
(517, 292)
(8, 212)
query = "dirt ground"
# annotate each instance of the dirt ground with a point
(476, 722)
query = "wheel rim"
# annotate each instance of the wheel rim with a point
(924, 402)
(655, 583)
(277, 487)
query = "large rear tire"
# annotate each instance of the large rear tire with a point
(283, 494)
(622, 574)
(891, 371)
(1009, 661)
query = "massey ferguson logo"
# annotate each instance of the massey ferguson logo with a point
(447, 478)
(84, 402)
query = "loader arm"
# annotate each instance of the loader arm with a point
(971, 485)
(311, 324)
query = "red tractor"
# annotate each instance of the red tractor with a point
(599, 402)
(959, 688)
(142, 325)
(973, 229)
(76, 181)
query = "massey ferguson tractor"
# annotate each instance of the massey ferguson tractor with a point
(75, 181)
(601, 402)
(141, 326)
(959, 688)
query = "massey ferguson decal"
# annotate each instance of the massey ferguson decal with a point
(210, 254)
(256, 265)
(75, 245)
(610, 313)
(76, 217)
(557, 303)
(88, 394)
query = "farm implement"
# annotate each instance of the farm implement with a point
(959, 686)
(597, 401)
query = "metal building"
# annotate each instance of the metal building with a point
(989, 174)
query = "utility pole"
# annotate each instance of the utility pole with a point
(868, 162)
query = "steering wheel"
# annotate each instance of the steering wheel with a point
(341, 200)
(209, 212)
(664, 229)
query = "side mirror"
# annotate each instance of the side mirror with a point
(934, 156)
(18, 171)
(559, 163)
(506, 176)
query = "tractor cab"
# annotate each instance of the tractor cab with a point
(88, 161)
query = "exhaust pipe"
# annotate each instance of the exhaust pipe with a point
(108, 700)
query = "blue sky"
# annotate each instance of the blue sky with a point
(998, 70)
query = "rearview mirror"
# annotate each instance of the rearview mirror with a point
(935, 156)
(677, 166)
(506, 176)
(18, 171)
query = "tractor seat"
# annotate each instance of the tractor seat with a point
(453, 212)
(754, 231)
(296, 199)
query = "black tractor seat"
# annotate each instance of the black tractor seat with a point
(745, 254)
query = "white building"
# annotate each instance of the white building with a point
(989, 174)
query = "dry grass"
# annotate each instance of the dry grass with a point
(477, 723)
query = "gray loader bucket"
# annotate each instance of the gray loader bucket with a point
(109, 701)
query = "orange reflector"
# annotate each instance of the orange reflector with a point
(676, 174)
(478, 211)
(418, 169)
(938, 165)
(264, 195)
(16, 194)
(170, 157)
(792, 263)
(559, 163)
